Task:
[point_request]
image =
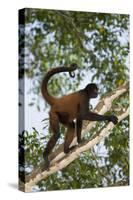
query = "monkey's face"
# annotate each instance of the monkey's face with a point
(92, 90)
(94, 93)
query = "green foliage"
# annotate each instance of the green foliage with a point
(99, 44)
(31, 144)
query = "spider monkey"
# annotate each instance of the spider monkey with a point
(67, 108)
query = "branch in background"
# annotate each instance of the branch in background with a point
(79, 35)
(99, 169)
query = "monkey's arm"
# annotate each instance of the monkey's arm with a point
(96, 117)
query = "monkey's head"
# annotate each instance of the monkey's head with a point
(91, 90)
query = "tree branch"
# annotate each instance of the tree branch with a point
(99, 169)
(72, 27)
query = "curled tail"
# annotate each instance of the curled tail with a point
(50, 99)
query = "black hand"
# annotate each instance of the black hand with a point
(113, 118)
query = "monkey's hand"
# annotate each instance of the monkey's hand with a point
(113, 118)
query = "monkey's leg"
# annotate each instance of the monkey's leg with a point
(69, 137)
(78, 130)
(54, 125)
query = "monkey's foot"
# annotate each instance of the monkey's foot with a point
(81, 141)
(46, 164)
(67, 150)
(73, 147)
